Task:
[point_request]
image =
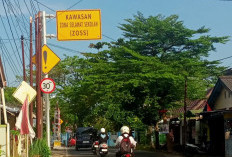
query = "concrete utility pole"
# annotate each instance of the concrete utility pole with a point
(46, 96)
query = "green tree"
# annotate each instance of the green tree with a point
(139, 74)
(10, 100)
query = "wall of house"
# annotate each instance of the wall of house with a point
(224, 101)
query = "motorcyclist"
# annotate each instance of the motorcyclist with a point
(103, 137)
(125, 133)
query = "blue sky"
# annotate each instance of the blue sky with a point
(214, 14)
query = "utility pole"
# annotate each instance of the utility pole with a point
(31, 72)
(185, 111)
(39, 107)
(24, 70)
(46, 96)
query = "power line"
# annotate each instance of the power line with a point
(23, 16)
(65, 9)
(74, 4)
(11, 29)
(38, 5)
(65, 48)
(17, 34)
(108, 37)
(8, 38)
(33, 7)
(45, 6)
(9, 59)
(224, 58)
(27, 8)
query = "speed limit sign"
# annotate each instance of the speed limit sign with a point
(47, 85)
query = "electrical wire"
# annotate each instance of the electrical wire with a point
(65, 9)
(33, 9)
(27, 8)
(38, 6)
(65, 48)
(22, 15)
(224, 58)
(9, 38)
(23, 21)
(18, 24)
(108, 37)
(18, 20)
(9, 60)
(45, 6)
(11, 30)
(74, 4)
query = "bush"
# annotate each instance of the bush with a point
(144, 147)
(2, 152)
(39, 147)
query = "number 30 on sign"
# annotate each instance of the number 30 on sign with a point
(47, 85)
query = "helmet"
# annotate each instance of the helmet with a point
(103, 130)
(124, 130)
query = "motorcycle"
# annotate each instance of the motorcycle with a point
(103, 149)
(126, 155)
(95, 147)
(72, 142)
(191, 150)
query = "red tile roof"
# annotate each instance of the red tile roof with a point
(192, 105)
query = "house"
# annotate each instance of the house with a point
(12, 113)
(216, 125)
(194, 108)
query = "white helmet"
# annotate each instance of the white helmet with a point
(103, 130)
(124, 130)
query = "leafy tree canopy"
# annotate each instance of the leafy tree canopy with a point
(138, 75)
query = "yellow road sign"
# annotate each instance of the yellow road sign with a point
(34, 59)
(78, 24)
(49, 59)
(61, 121)
(24, 90)
(57, 143)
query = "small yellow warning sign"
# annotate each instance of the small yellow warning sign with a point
(49, 59)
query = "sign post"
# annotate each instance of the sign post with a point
(78, 25)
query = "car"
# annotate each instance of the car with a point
(85, 137)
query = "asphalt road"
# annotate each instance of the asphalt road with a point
(71, 152)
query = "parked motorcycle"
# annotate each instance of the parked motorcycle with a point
(95, 147)
(191, 150)
(103, 149)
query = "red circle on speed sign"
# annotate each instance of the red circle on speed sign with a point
(47, 85)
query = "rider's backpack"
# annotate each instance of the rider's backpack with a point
(125, 146)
